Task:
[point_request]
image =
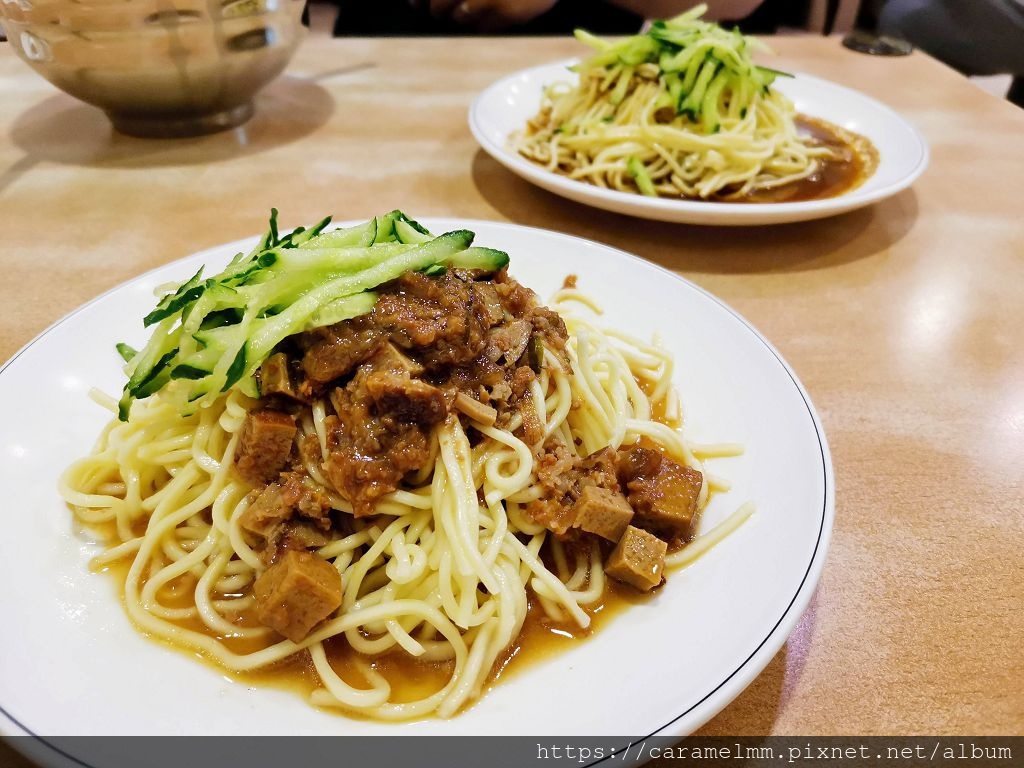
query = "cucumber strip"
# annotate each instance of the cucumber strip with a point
(220, 317)
(272, 233)
(145, 367)
(622, 86)
(361, 235)
(773, 72)
(249, 386)
(270, 236)
(689, 54)
(387, 231)
(270, 332)
(637, 50)
(598, 61)
(341, 309)
(237, 367)
(211, 335)
(667, 100)
(695, 98)
(247, 271)
(414, 224)
(165, 338)
(592, 40)
(675, 91)
(187, 292)
(682, 60)
(687, 16)
(212, 347)
(216, 298)
(641, 177)
(677, 37)
(487, 259)
(126, 352)
(692, 70)
(157, 377)
(188, 372)
(710, 120)
(406, 232)
(302, 235)
(333, 261)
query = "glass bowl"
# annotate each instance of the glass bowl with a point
(158, 68)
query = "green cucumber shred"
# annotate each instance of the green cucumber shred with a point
(211, 335)
(700, 65)
(641, 177)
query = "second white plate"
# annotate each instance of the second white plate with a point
(506, 105)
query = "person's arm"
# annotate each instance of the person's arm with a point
(492, 15)
(664, 9)
(489, 15)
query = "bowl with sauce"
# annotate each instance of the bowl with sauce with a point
(158, 68)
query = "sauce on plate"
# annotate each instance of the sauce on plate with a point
(410, 678)
(856, 160)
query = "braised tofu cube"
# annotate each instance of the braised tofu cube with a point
(406, 398)
(275, 378)
(296, 593)
(637, 461)
(389, 357)
(266, 513)
(264, 445)
(602, 512)
(638, 559)
(665, 502)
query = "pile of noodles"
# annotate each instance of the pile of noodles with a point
(680, 112)
(437, 574)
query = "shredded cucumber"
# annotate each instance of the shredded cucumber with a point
(641, 177)
(209, 335)
(702, 67)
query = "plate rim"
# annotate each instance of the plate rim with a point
(686, 211)
(715, 700)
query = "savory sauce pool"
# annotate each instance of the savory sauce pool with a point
(856, 159)
(410, 678)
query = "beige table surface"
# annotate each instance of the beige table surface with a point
(904, 322)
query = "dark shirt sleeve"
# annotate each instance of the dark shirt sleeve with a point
(398, 18)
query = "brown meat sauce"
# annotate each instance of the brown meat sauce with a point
(387, 380)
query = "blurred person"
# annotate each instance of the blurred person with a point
(504, 14)
(536, 17)
(977, 37)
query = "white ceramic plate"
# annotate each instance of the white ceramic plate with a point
(506, 105)
(72, 664)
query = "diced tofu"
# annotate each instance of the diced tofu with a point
(637, 461)
(406, 398)
(266, 512)
(274, 376)
(335, 350)
(666, 501)
(296, 593)
(603, 512)
(264, 445)
(389, 357)
(638, 559)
